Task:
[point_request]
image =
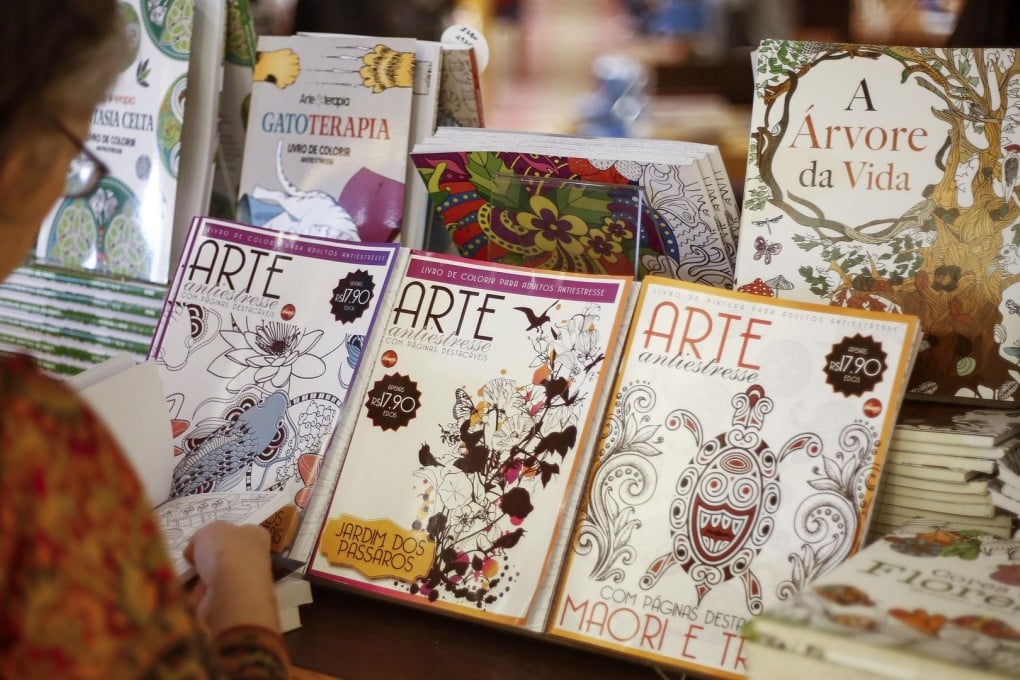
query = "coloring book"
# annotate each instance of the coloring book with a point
(738, 461)
(472, 440)
(259, 341)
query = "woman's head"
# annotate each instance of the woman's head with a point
(58, 57)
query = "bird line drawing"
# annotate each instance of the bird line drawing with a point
(536, 321)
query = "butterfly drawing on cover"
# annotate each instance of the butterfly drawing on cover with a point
(466, 409)
(766, 250)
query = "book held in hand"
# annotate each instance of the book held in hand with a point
(259, 341)
(472, 439)
(738, 462)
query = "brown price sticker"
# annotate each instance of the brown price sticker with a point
(855, 365)
(393, 401)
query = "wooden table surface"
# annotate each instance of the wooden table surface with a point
(353, 637)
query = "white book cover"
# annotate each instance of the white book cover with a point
(884, 177)
(128, 397)
(474, 432)
(936, 459)
(259, 340)
(929, 472)
(328, 133)
(738, 461)
(932, 601)
(125, 226)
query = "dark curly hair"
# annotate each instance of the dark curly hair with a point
(58, 57)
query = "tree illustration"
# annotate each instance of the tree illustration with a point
(945, 259)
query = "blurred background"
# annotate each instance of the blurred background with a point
(665, 69)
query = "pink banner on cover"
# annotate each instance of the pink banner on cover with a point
(516, 281)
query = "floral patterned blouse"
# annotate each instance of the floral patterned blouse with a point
(86, 587)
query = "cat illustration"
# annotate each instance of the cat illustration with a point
(315, 212)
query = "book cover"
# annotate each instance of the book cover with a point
(460, 92)
(473, 436)
(238, 73)
(1008, 471)
(929, 472)
(979, 506)
(328, 130)
(200, 131)
(738, 461)
(885, 178)
(125, 226)
(428, 74)
(259, 340)
(960, 424)
(975, 485)
(930, 601)
(992, 452)
(936, 459)
(616, 200)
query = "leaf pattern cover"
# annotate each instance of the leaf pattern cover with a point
(258, 343)
(474, 432)
(931, 598)
(607, 217)
(885, 178)
(124, 227)
(738, 461)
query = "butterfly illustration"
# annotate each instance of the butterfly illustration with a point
(465, 409)
(1012, 307)
(764, 249)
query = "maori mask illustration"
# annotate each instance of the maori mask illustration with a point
(727, 498)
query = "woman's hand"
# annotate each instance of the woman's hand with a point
(235, 581)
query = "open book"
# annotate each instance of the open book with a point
(128, 397)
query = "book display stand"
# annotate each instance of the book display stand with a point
(594, 480)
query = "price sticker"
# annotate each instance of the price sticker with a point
(393, 401)
(855, 365)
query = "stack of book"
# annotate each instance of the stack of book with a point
(69, 320)
(942, 460)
